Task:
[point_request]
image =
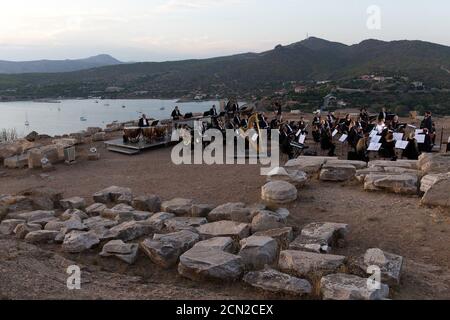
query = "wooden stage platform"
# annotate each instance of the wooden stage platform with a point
(133, 148)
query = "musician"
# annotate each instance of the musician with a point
(274, 124)
(176, 114)
(331, 118)
(263, 124)
(380, 126)
(316, 119)
(387, 145)
(326, 139)
(364, 115)
(237, 120)
(143, 122)
(395, 124)
(213, 111)
(412, 150)
(362, 146)
(244, 122)
(382, 115)
(285, 142)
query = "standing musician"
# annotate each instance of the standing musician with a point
(176, 114)
(213, 111)
(326, 138)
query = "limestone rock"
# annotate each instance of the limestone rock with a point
(16, 203)
(310, 165)
(361, 174)
(283, 236)
(407, 164)
(41, 236)
(258, 251)
(149, 203)
(23, 229)
(278, 192)
(78, 241)
(273, 281)
(126, 252)
(337, 172)
(390, 265)
(99, 222)
(184, 223)
(320, 237)
(350, 287)
(44, 198)
(296, 177)
(7, 226)
(359, 165)
(230, 211)
(120, 212)
(200, 264)
(201, 210)
(111, 194)
(402, 184)
(39, 216)
(49, 152)
(231, 229)
(142, 215)
(73, 223)
(309, 264)
(73, 203)
(434, 163)
(99, 136)
(128, 231)
(266, 220)
(96, 209)
(164, 250)
(220, 243)
(16, 162)
(71, 213)
(157, 221)
(439, 193)
(178, 206)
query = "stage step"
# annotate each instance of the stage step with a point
(123, 150)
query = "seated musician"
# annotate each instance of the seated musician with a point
(285, 142)
(394, 124)
(387, 145)
(326, 139)
(263, 124)
(244, 122)
(362, 146)
(176, 114)
(364, 115)
(237, 120)
(380, 127)
(274, 124)
(143, 122)
(412, 150)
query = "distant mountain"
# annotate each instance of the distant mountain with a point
(51, 66)
(309, 60)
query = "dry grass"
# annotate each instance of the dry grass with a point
(8, 135)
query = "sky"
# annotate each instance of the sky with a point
(159, 30)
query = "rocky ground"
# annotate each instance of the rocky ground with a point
(395, 223)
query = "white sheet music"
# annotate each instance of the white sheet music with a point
(175, 136)
(398, 136)
(298, 132)
(343, 138)
(411, 126)
(400, 144)
(375, 139)
(418, 131)
(373, 133)
(255, 137)
(420, 138)
(302, 139)
(374, 147)
(335, 132)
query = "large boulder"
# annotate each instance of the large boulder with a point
(278, 193)
(112, 195)
(150, 203)
(267, 220)
(235, 211)
(310, 165)
(50, 152)
(390, 265)
(178, 206)
(362, 173)
(73, 223)
(164, 250)
(273, 281)
(401, 184)
(184, 223)
(220, 243)
(44, 198)
(15, 148)
(258, 251)
(430, 179)
(78, 241)
(16, 162)
(37, 217)
(73, 203)
(337, 172)
(359, 165)
(350, 287)
(439, 193)
(283, 236)
(309, 264)
(407, 164)
(202, 263)
(434, 163)
(231, 229)
(296, 177)
(126, 252)
(201, 210)
(320, 237)
(16, 203)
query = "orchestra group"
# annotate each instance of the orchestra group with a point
(360, 132)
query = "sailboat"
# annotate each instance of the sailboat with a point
(83, 118)
(27, 123)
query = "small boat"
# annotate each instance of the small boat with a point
(96, 101)
(162, 109)
(83, 119)
(106, 104)
(27, 123)
(123, 107)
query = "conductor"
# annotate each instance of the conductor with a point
(143, 122)
(176, 114)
